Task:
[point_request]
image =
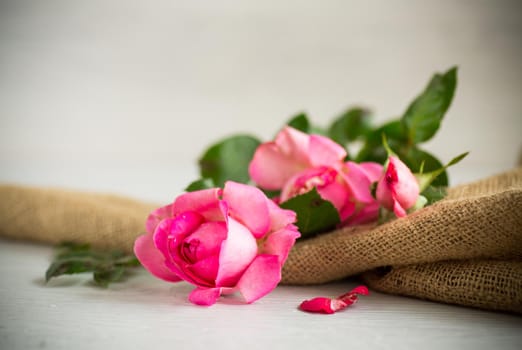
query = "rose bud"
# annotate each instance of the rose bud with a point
(398, 189)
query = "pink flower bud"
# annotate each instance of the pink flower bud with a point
(398, 189)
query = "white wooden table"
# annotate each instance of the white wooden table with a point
(143, 312)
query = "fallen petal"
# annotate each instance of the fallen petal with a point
(326, 305)
(318, 305)
(204, 296)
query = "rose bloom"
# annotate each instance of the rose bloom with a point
(292, 151)
(221, 241)
(398, 189)
(296, 163)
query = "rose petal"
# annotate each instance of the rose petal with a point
(205, 296)
(295, 144)
(249, 206)
(182, 269)
(324, 151)
(329, 306)
(398, 209)
(270, 168)
(152, 259)
(204, 202)
(280, 218)
(368, 213)
(358, 182)
(384, 194)
(318, 305)
(156, 216)
(205, 241)
(406, 189)
(260, 278)
(171, 232)
(237, 252)
(337, 194)
(280, 242)
(205, 269)
(373, 170)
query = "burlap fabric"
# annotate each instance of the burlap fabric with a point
(466, 249)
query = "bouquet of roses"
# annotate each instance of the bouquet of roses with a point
(313, 205)
(234, 228)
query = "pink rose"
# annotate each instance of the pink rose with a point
(292, 151)
(398, 189)
(359, 177)
(221, 241)
(297, 162)
(345, 185)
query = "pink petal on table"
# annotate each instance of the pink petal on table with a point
(237, 252)
(204, 202)
(248, 205)
(324, 151)
(318, 305)
(204, 296)
(330, 305)
(152, 259)
(260, 278)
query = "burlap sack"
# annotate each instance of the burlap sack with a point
(466, 249)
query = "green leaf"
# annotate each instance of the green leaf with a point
(106, 266)
(426, 179)
(103, 277)
(314, 214)
(229, 159)
(201, 184)
(351, 125)
(434, 194)
(415, 158)
(300, 122)
(373, 149)
(68, 266)
(423, 117)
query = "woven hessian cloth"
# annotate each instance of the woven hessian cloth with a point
(465, 249)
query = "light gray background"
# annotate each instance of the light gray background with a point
(123, 96)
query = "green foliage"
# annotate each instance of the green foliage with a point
(229, 159)
(200, 184)
(300, 122)
(434, 194)
(314, 214)
(107, 267)
(427, 178)
(423, 116)
(419, 123)
(350, 126)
